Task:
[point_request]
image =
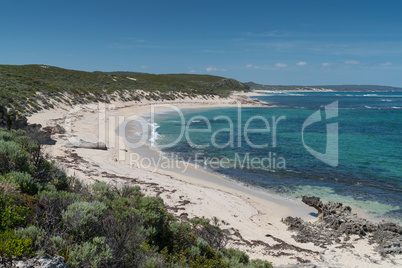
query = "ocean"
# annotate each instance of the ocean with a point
(339, 146)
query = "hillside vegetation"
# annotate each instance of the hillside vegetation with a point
(369, 88)
(45, 212)
(29, 88)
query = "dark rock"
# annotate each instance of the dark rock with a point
(336, 221)
(55, 130)
(41, 262)
(20, 123)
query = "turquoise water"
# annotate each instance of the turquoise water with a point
(369, 169)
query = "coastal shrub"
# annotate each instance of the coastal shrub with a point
(156, 220)
(95, 253)
(23, 181)
(257, 263)
(47, 172)
(82, 218)
(50, 194)
(211, 233)
(124, 236)
(123, 207)
(54, 203)
(6, 135)
(102, 191)
(13, 157)
(13, 211)
(181, 236)
(154, 261)
(205, 249)
(12, 245)
(236, 255)
(36, 234)
(194, 251)
(59, 245)
(133, 192)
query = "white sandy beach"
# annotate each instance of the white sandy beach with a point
(253, 218)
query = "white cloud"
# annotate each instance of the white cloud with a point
(353, 62)
(326, 64)
(251, 66)
(281, 65)
(145, 67)
(387, 63)
(301, 63)
(212, 68)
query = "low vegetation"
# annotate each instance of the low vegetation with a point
(43, 211)
(363, 88)
(29, 88)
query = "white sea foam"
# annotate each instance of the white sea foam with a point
(370, 95)
(382, 96)
(154, 134)
(295, 94)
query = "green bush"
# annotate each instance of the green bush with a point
(261, 264)
(194, 251)
(23, 181)
(155, 261)
(237, 255)
(103, 192)
(13, 211)
(205, 249)
(13, 157)
(36, 234)
(6, 135)
(156, 221)
(59, 245)
(90, 254)
(47, 173)
(12, 245)
(54, 203)
(133, 192)
(50, 195)
(82, 218)
(211, 233)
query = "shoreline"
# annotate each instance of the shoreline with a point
(297, 211)
(297, 208)
(254, 222)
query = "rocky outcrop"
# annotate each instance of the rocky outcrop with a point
(57, 129)
(39, 262)
(336, 223)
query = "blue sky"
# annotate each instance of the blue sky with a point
(269, 42)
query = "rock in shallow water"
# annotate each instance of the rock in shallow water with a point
(336, 223)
